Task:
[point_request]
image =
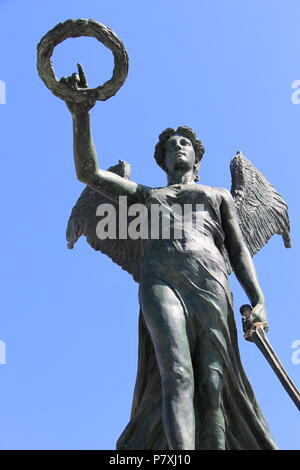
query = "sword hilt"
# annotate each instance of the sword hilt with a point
(245, 310)
(258, 336)
(248, 329)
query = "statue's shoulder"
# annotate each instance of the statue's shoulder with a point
(143, 192)
(214, 194)
(211, 190)
(225, 194)
(221, 192)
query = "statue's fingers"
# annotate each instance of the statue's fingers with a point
(248, 335)
(75, 80)
(66, 81)
(82, 76)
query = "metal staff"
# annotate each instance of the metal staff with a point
(258, 336)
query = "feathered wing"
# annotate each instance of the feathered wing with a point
(261, 210)
(127, 253)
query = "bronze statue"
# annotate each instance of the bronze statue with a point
(191, 390)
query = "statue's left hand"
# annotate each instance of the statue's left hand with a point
(76, 82)
(254, 318)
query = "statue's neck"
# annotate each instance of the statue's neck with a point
(178, 177)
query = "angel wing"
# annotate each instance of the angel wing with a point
(83, 221)
(261, 210)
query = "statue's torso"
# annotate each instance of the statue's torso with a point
(193, 213)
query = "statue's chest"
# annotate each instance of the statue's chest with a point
(178, 194)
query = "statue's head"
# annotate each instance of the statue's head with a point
(185, 138)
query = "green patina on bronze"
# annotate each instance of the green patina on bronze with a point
(191, 389)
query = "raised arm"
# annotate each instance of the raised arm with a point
(241, 259)
(85, 157)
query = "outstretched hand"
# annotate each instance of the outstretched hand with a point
(78, 82)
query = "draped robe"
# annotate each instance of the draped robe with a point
(194, 267)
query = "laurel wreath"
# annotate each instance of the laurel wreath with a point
(74, 29)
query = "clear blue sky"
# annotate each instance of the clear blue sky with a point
(69, 318)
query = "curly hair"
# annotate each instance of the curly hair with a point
(160, 148)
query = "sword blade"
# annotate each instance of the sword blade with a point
(260, 339)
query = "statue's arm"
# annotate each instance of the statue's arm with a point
(86, 161)
(240, 257)
(109, 184)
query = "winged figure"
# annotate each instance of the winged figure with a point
(261, 213)
(191, 390)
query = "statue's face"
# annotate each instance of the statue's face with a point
(180, 153)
